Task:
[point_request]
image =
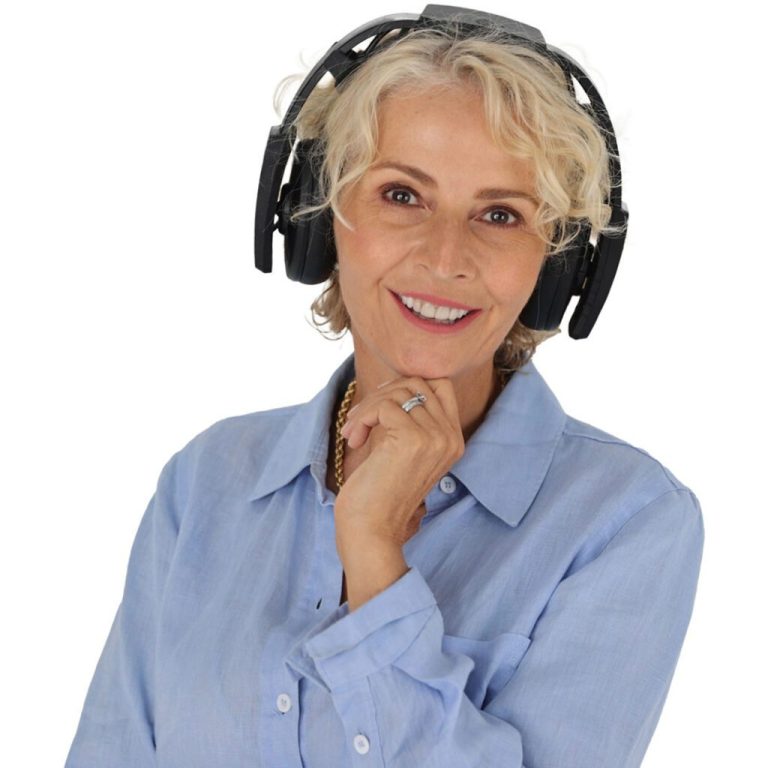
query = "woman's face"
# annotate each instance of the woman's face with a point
(447, 228)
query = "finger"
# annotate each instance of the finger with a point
(393, 386)
(371, 413)
(441, 400)
(442, 406)
(446, 413)
(442, 388)
(444, 439)
(358, 426)
(406, 389)
(446, 393)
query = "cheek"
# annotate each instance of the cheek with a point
(360, 270)
(513, 288)
(369, 251)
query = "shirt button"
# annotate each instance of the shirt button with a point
(284, 702)
(447, 484)
(362, 744)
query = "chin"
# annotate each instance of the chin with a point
(427, 369)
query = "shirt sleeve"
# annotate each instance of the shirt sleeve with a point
(116, 724)
(587, 693)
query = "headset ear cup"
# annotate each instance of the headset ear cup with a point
(559, 279)
(321, 249)
(306, 239)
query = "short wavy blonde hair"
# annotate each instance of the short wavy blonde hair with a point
(530, 111)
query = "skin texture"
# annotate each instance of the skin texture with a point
(438, 239)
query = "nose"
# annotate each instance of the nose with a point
(447, 252)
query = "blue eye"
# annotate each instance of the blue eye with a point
(514, 219)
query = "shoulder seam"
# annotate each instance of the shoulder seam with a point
(612, 440)
(645, 506)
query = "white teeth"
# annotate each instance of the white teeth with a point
(425, 309)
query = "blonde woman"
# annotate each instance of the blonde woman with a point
(429, 563)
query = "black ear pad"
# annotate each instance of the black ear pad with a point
(560, 278)
(309, 249)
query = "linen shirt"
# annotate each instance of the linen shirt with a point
(549, 591)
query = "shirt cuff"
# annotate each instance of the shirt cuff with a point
(347, 647)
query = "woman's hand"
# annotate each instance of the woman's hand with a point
(409, 452)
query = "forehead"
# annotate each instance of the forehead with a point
(446, 128)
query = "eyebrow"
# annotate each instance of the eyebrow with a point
(491, 193)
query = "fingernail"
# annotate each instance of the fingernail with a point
(352, 409)
(385, 384)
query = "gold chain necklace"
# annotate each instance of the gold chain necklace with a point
(341, 418)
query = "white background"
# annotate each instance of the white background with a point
(131, 141)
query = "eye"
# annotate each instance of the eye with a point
(403, 194)
(402, 191)
(513, 218)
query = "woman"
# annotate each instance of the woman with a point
(516, 585)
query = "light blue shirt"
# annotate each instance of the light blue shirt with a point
(549, 591)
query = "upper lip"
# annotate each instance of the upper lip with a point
(438, 301)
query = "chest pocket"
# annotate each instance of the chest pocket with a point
(495, 662)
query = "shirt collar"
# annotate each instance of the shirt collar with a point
(504, 462)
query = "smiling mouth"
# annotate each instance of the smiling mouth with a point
(436, 320)
(447, 318)
(430, 323)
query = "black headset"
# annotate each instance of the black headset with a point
(584, 269)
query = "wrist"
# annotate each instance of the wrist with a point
(371, 565)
